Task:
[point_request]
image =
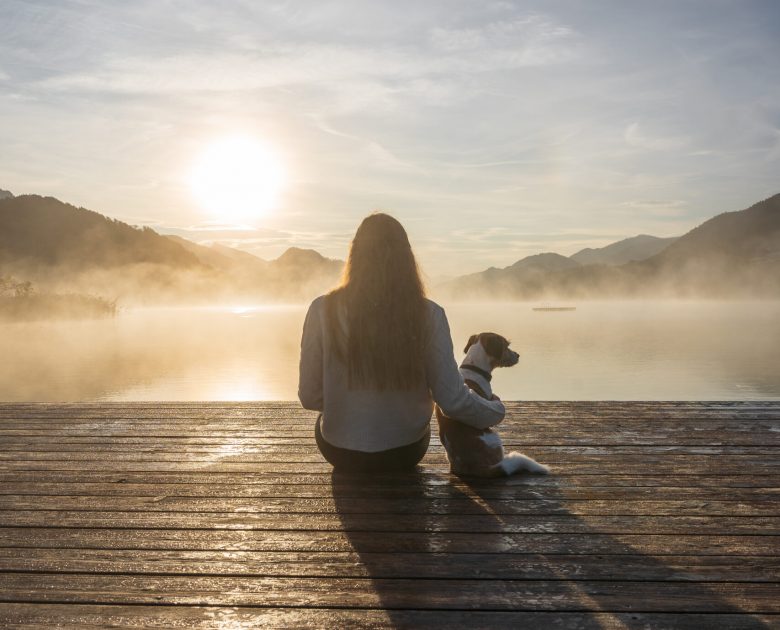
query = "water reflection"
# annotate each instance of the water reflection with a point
(608, 350)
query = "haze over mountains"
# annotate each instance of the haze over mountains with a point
(628, 250)
(732, 254)
(60, 247)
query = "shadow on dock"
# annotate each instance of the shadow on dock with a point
(467, 560)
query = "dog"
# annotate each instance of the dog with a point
(476, 452)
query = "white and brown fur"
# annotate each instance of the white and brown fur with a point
(476, 452)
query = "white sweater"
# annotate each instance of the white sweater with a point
(370, 420)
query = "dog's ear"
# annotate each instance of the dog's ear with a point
(472, 340)
(494, 344)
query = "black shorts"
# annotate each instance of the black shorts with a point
(403, 458)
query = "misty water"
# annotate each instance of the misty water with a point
(602, 350)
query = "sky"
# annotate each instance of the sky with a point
(491, 130)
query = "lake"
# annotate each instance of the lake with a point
(642, 350)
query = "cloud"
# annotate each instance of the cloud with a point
(216, 226)
(213, 230)
(533, 40)
(636, 138)
(657, 208)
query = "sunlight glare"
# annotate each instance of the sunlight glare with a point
(237, 178)
(240, 387)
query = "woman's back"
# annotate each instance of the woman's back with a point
(359, 417)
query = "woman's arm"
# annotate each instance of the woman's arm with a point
(446, 382)
(310, 372)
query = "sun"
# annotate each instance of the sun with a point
(237, 178)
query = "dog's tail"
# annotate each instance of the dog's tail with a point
(515, 462)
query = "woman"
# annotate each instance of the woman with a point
(376, 353)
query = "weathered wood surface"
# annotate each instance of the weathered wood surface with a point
(224, 515)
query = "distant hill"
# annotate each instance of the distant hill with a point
(532, 273)
(210, 256)
(5, 193)
(542, 262)
(62, 247)
(296, 272)
(238, 256)
(628, 250)
(732, 254)
(42, 231)
(527, 274)
(748, 234)
(297, 260)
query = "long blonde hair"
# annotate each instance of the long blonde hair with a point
(382, 300)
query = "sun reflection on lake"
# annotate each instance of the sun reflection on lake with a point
(239, 389)
(244, 310)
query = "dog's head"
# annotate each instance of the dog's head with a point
(496, 347)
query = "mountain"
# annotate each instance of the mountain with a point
(210, 256)
(732, 254)
(526, 274)
(238, 256)
(630, 249)
(302, 270)
(296, 260)
(748, 234)
(296, 272)
(61, 247)
(43, 231)
(542, 262)
(532, 273)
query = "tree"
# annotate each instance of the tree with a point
(12, 287)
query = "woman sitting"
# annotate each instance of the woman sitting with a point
(376, 354)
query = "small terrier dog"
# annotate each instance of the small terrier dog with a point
(476, 452)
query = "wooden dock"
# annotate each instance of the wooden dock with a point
(225, 516)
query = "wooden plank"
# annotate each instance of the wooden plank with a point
(765, 456)
(475, 523)
(292, 418)
(517, 492)
(271, 428)
(344, 505)
(434, 594)
(259, 540)
(512, 423)
(251, 408)
(511, 426)
(640, 567)
(313, 463)
(46, 616)
(252, 452)
(425, 478)
(744, 442)
(743, 434)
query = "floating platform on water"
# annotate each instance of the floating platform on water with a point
(554, 308)
(224, 515)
